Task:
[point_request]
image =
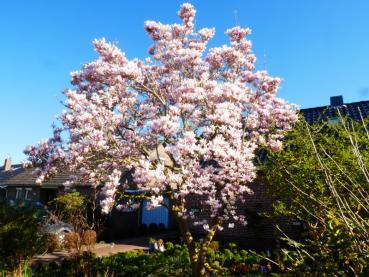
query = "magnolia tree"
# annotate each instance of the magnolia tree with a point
(207, 110)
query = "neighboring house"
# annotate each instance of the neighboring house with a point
(20, 185)
(329, 113)
(7, 171)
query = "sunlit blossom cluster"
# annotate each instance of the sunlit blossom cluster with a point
(209, 109)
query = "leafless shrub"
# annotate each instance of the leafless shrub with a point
(73, 242)
(53, 243)
(89, 239)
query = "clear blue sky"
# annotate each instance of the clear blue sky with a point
(320, 48)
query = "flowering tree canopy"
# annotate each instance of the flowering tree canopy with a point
(208, 111)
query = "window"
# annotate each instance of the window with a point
(18, 193)
(27, 195)
(195, 209)
(333, 121)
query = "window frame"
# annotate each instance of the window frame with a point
(27, 196)
(18, 193)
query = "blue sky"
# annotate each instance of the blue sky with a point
(320, 49)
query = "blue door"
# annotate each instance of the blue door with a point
(158, 215)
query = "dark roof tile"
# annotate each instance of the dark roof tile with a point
(353, 110)
(4, 175)
(23, 176)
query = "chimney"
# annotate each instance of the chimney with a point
(7, 164)
(336, 101)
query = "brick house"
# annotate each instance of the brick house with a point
(17, 183)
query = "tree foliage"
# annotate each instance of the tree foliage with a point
(69, 204)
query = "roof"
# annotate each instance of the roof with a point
(4, 175)
(25, 176)
(353, 110)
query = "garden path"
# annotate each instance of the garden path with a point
(103, 249)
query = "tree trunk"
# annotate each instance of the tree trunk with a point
(198, 268)
(197, 255)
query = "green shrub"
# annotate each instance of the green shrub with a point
(72, 208)
(321, 181)
(21, 237)
(174, 261)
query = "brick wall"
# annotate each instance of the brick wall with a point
(260, 232)
(31, 193)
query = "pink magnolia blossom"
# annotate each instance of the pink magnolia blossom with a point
(155, 201)
(210, 110)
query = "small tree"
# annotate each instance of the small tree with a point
(187, 120)
(72, 207)
(321, 179)
(21, 237)
(79, 210)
